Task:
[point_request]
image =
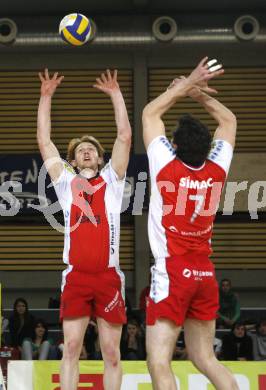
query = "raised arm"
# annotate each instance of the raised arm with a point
(46, 146)
(226, 120)
(153, 125)
(108, 84)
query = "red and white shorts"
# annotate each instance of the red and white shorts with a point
(94, 295)
(185, 287)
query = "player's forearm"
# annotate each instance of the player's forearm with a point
(166, 100)
(217, 110)
(121, 117)
(44, 120)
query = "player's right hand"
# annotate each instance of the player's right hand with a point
(49, 84)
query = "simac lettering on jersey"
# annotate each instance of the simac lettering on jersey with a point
(195, 184)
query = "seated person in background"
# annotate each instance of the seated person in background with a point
(132, 342)
(92, 342)
(21, 323)
(4, 327)
(229, 311)
(38, 346)
(237, 345)
(259, 341)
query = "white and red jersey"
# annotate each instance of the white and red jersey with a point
(184, 200)
(91, 210)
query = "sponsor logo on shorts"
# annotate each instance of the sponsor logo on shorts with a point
(202, 273)
(198, 275)
(113, 303)
(187, 273)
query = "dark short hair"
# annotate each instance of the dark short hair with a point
(193, 141)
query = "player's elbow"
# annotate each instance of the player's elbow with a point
(149, 116)
(229, 119)
(147, 112)
(125, 135)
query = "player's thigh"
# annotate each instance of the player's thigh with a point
(199, 336)
(109, 336)
(74, 330)
(161, 339)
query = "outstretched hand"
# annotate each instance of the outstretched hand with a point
(199, 77)
(203, 73)
(107, 83)
(49, 85)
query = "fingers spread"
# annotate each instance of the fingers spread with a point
(99, 81)
(55, 76)
(60, 79)
(104, 79)
(203, 61)
(41, 77)
(109, 76)
(98, 86)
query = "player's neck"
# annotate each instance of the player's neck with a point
(88, 172)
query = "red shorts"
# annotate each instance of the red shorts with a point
(94, 295)
(183, 287)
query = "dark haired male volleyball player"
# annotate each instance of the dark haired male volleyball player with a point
(186, 179)
(91, 198)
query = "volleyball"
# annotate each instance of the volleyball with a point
(75, 29)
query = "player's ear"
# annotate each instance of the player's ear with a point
(173, 144)
(100, 161)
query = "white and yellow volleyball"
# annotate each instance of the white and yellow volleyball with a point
(75, 29)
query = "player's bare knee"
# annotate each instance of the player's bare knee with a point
(71, 349)
(111, 355)
(158, 365)
(204, 362)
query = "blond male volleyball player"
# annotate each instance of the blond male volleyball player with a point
(91, 198)
(186, 179)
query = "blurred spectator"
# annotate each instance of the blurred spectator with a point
(132, 342)
(229, 311)
(21, 322)
(259, 341)
(237, 345)
(38, 346)
(4, 327)
(92, 342)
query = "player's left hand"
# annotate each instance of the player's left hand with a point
(107, 83)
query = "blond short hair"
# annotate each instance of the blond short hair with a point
(75, 142)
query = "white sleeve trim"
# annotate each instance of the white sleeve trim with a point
(160, 153)
(221, 154)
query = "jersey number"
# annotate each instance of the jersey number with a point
(199, 200)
